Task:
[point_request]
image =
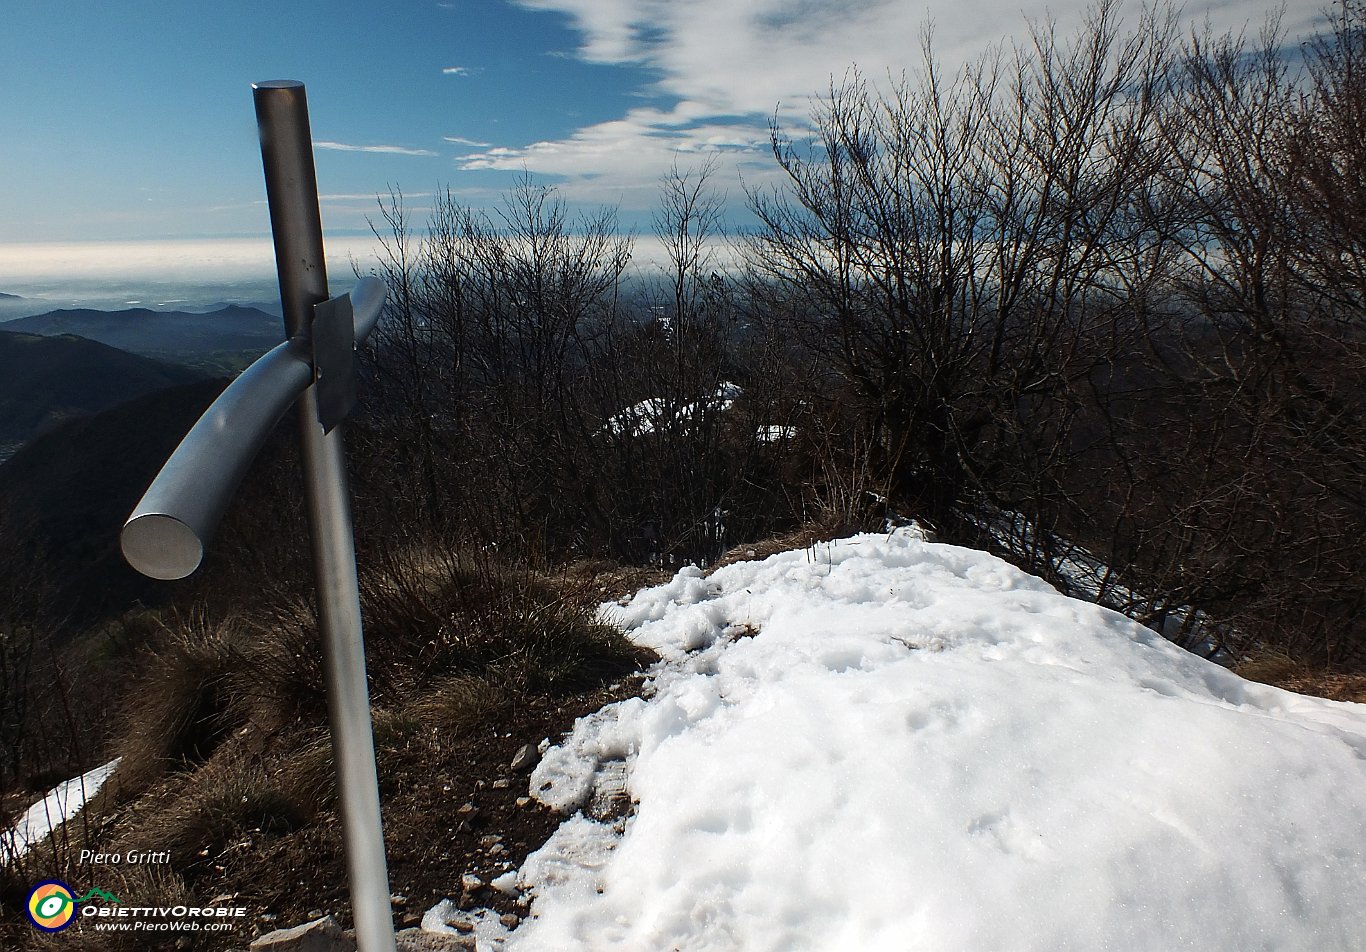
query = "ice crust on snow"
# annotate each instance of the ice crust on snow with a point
(884, 743)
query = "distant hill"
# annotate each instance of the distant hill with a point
(12, 307)
(229, 330)
(269, 307)
(46, 379)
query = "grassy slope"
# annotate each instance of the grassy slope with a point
(65, 495)
(227, 762)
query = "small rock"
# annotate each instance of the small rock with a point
(315, 914)
(525, 759)
(523, 801)
(398, 900)
(509, 921)
(322, 935)
(471, 883)
(415, 940)
(490, 841)
(502, 783)
(611, 798)
(462, 925)
(467, 810)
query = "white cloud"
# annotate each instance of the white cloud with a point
(461, 140)
(622, 160)
(236, 206)
(728, 67)
(382, 149)
(361, 196)
(458, 71)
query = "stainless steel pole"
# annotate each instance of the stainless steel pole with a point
(292, 193)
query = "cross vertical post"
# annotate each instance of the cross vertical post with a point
(296, 223)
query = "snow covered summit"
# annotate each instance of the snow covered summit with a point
(883, 743)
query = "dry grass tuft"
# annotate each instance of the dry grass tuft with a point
(810, 534)
(1269, 666)
(223, 811)
(461, 703)
(180, 707)
(437, 615)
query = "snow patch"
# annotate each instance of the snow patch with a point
(657, 413)
(918, 746)
(61, 803)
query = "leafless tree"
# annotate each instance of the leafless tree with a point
(1245, 468)
(967, 250)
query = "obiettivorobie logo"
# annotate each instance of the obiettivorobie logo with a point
(51, 905)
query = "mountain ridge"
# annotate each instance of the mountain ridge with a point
(140, 330)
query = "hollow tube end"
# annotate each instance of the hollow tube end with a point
(161, 547)
(278, 84)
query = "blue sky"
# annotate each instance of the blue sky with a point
(131, 120)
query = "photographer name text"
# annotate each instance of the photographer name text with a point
(131, 858)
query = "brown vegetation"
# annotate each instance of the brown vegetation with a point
(227, 762)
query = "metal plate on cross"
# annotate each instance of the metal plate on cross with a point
(334, 360)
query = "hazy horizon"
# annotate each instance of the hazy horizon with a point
(194, 274)
(188, 273)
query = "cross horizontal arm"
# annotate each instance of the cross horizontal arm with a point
(165, 536)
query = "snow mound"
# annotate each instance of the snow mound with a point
(884, 743)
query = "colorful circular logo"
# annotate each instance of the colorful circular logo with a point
(51, 905)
